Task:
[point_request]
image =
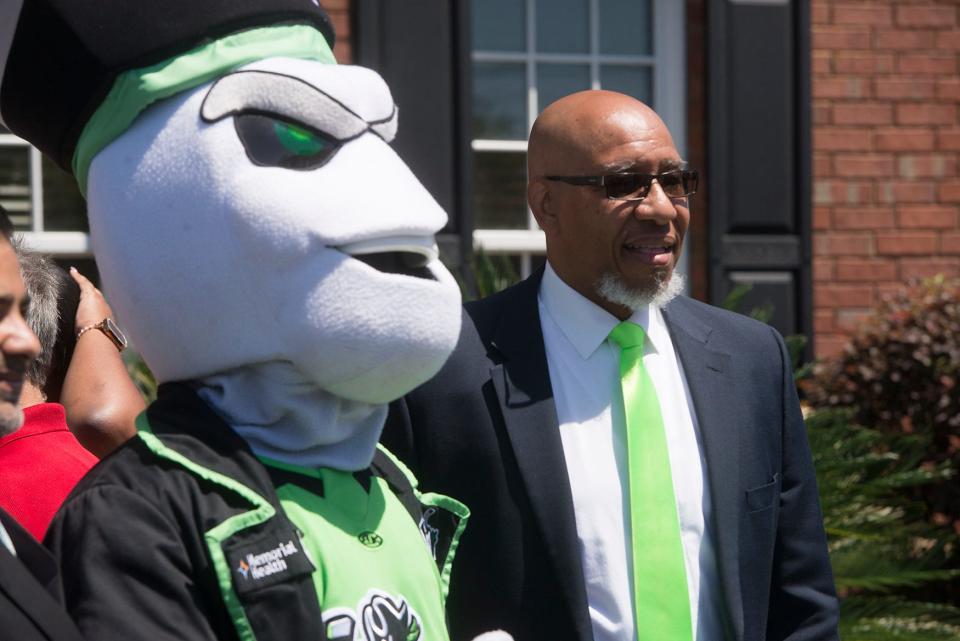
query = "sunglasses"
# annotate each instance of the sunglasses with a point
(676, 183)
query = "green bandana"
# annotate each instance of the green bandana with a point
(135, 90)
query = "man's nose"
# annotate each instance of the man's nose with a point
(20, 340)
(657, 205)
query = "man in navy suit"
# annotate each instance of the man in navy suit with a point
(526, 424)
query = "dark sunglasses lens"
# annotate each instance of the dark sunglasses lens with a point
(627, 185)
(678, 184)
(672, 183)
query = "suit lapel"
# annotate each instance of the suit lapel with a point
(30, 581)
(522, 382)
(712, 386)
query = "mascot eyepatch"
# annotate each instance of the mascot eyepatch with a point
(274, 261)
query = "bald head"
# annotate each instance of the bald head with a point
(571, 131)
(616, 251)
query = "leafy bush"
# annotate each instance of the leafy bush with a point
(141, 375)
(900, 370)
(900, 374)
(886, 556)
(492, 273)
(885, 434)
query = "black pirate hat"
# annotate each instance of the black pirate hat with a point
(78, 72)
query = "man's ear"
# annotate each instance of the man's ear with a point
(542, 205)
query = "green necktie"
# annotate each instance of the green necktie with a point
(661, 601)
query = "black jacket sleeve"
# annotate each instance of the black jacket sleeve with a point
(127, 572)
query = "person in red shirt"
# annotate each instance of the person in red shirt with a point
(39, 465)
(41, 462)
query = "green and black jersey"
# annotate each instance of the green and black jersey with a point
(375, 570)
(184, 534)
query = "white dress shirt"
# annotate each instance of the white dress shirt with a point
(585, 376)
(6, 541)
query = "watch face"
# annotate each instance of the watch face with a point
(115, 330)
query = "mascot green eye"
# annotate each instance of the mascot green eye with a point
(270, 142)
(299, 141)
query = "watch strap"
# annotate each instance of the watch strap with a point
(104, 327)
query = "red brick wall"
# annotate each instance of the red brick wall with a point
(339, 11)
(886, 138)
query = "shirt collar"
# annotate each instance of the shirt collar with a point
(584, 323)
(650, 318)
(6, 541)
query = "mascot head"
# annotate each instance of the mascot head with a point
(246, 209)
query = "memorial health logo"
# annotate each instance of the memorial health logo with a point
(259, 566)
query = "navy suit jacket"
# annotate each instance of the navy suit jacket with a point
(485, 431)
(30, 593)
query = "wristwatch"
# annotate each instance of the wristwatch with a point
(109, 329)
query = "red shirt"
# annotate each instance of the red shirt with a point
(39, 465)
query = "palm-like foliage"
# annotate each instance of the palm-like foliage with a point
(141, 375)
(883, 550)
(491, 273)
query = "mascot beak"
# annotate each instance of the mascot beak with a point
(405, 255)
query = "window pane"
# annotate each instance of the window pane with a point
(63, 206)
(15, 184)
(625, 27)
(500, 190)
(633, 81)
(499, 25)
(563, 26)
(499, 101)
(556, 81)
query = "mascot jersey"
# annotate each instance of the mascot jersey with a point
(184, 533)
(274, 262)
(358, 529)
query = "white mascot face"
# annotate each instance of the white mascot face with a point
(263, 218)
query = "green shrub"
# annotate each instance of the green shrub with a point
(900, 374)
(492, 273)
(886, 556)
(900, 370)
(885, 433)
(141, 375)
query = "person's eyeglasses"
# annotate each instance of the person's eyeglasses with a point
(675, 183)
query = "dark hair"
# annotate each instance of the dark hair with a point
(62, 352)
(54, 297)
(6, 226)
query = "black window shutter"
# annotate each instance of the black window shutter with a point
(421, 48)
(758, 150)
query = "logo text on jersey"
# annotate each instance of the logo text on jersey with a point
(260, 565)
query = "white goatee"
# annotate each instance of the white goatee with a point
(666, 287)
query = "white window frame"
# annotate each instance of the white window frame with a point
(61, 244)
(669, 97)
